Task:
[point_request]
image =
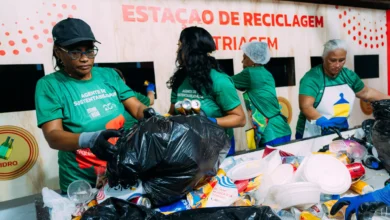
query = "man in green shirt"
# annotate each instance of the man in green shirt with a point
(271, 127)
(327, 93)
(80, 107)
(146, 100)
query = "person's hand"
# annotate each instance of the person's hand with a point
(98, 143)
(151, 88)
(214, 120)
(324, 123)
(353, 204)
(338, 120)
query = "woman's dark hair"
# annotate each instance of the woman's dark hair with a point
(194, 61)
(58, 65)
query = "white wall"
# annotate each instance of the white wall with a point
(127, 41)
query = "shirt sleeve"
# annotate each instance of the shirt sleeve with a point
(355, 82)
(309, 85)
(124, 91)
(225, 93)
(47, 103)
(173, 97)
(242, 80)
(143, 99)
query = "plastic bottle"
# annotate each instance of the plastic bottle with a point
(316, 210)
(361, 187)
(285, 215)
(327, 206)
(327, 197)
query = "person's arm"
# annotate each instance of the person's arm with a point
(49, 111)
(370, 94)
(151, 98)
(173, 101)
(59, 139)
(227, 99)
(233, 119)
(172, 109)
(151, 90)
(353, 203)
(134, 107)
(306, 105)
(361, 90)
(242, 80)
(97, 141)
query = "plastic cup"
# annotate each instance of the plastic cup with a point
(80, 191)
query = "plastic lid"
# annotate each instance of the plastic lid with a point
(328, 172)
(245, 170)
(375, 164)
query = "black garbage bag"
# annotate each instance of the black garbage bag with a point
(367, 128)
(370, 209)
(380, 133)
(233, 213)
(381, 109)
(170, 155)
(117, 209)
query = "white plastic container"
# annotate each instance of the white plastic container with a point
(328, 172)
(282, 174)
(245, 170)
(301, 195)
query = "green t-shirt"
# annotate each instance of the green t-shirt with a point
(223, 98)
(312, 84)
(83, 106)
(260, 87)
(130, 120)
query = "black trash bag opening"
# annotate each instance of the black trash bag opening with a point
(370, 209)
(117, 209)
(230, 213)
(381, 109)
(380, 135)
(367, 128)
(169, 155)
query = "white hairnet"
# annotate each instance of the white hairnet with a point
(332, 45)
(258, 52)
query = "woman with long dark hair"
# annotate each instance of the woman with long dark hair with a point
(199, 77)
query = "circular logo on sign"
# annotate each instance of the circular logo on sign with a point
(286, 108)
(366, 107)
(18, 152)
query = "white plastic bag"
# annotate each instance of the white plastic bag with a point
(62, 208)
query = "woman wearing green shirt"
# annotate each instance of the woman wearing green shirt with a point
(80, 107)
(327, 93)
(271, 127)
(198, 77)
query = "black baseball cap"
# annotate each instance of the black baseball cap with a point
(71, 31)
